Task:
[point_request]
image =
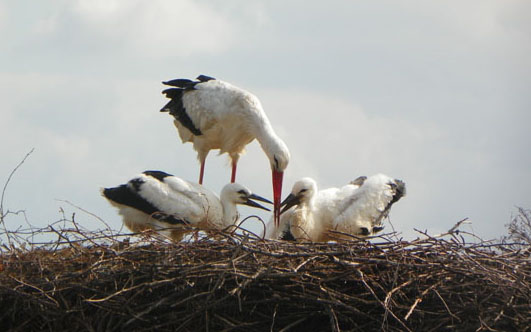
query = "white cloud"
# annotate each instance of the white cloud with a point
(3, 16)
(159, 27)
(347, 138)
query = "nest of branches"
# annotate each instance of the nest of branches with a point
(102, 281)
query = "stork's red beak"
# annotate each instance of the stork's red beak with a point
(277, 194)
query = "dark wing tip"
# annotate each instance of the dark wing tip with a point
(179, 82)
(359, 180)
(107, 192)
(173, 92)
(205, 78)
(399, 190)
(122, 194)
(187, 84)
(168, 218)
(159, 175)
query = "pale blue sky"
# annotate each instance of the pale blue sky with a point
(432, 92)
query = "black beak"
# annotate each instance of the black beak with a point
(249, 202)
(288, 202)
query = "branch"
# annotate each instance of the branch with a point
(2, 214)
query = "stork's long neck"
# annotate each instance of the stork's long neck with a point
(303, 224)
(265, 135)
(306, 221)
(230, 213)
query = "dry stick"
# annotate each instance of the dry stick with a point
(36, 288)
(388, 296)
(451, 231)
(2, 215)
(289, 326)
(87, 212)
(380, 302)
(125, 290)
(419, 299)
(273, 318)
(59, 237)
(354, 237)
(446, 305)
(239, 226)
(334, 323)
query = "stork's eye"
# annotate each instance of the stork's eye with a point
(276, 162)
(242, 192)
(303, 190)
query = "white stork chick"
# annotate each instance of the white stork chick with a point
(362, 212)
(311, 202)
(356, 209)
(163, 202)
(213, 114)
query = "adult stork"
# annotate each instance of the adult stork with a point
(163, 202)
(213, 114)
(355, 209)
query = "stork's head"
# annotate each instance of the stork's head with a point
(238, 194)
(302, 193)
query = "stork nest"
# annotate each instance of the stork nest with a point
(102, 281)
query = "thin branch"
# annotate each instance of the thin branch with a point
(2, 215)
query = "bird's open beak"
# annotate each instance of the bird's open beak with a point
(277, 194)
(249, 202)
(288, 202)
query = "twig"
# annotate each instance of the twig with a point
(87, 212)
(2, 214)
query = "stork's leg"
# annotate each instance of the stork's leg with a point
(233, 176)
(202, 155)
(201, 172)
(234, 157)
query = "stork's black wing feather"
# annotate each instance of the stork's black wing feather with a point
(128, 196)
(181, 83)
(176, 108)
(399, 190)
(205, 78)
(168, 218)
(173, 93)
(125, 195)
(159, 175)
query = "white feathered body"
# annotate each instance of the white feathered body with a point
(311, 220)
(178, 199)
(228, 117)
(365, 206)
(347, 209)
